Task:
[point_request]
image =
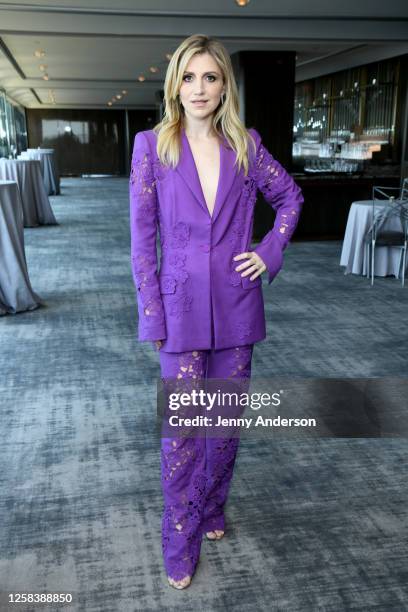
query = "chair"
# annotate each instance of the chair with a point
(378, 235)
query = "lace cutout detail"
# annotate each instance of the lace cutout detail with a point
(221, 453)
(167, 283)
(180, 235)
(241, 361)
(237, 228)
(184, 481)
(249, 191)
(280, 190)
(234, 276)
(179, 304)
(143, 226)
(221, 456)
(177, 261)
(268, 171)
(142, 183)
(288, 222)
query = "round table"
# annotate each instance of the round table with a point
(16, 293)
(353, 254)
(27, 174)
(48, 168)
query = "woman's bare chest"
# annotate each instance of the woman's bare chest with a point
(207, 161)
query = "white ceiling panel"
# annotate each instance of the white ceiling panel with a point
(95, 49)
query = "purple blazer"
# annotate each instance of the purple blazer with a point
(197, 272)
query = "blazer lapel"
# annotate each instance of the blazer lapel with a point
(228, 174)
(188, 171)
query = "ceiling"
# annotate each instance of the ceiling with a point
(94, 51)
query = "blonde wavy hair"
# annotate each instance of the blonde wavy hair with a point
(226, 119)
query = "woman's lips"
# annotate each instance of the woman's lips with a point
(200, 102)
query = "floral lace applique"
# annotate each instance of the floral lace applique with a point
(243, 329)
(249, 191)
(234, 276)
(288, 221)
(177, 261)
(167, 283)
(179, 304)
(241, 361)
(152, 306)
(237, 228)
(144, 280)
(143, 261)
(181, 533)
(268, 171)
(142, 183)
(180, 235)
(191, 365)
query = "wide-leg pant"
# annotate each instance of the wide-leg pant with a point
(196, 471)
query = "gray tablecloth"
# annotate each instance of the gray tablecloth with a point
(16, 293)
(48, 168)
(27, 174)
(353, 254)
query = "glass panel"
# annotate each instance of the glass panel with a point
(13, 129)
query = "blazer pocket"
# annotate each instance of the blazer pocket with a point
(248, 284)
(167, 283)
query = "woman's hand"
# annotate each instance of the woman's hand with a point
(158, 344)
(253, 265)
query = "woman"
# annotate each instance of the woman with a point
(195, 176)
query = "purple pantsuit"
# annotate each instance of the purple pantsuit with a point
(196, 472)
(204, 312)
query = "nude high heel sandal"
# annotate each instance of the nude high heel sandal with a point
(180, 584)
(217, 534)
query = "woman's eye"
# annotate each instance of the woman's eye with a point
(210, 76)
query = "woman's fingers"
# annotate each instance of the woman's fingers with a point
(252, 270)
(253, 263)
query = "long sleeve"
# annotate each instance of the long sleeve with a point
(143, 231)
(281, 192)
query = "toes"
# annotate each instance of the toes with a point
(179, 584)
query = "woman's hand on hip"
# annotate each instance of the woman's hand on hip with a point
(158, 344)
(253, 264)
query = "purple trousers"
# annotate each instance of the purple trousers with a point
(196, 471)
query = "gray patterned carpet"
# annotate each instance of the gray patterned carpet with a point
(312, 525)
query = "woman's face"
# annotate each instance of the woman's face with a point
(202, 80)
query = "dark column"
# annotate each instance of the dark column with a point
(266, 83)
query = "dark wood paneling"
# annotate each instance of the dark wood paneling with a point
(327, 203)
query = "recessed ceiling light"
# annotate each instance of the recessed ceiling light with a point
(39, 53)
(153, 69)
(141, 78)
(124, 92)
(43, 67)
(118, 97)
(109, 103)
(242, 2)
(46, 77)
(169, 56)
